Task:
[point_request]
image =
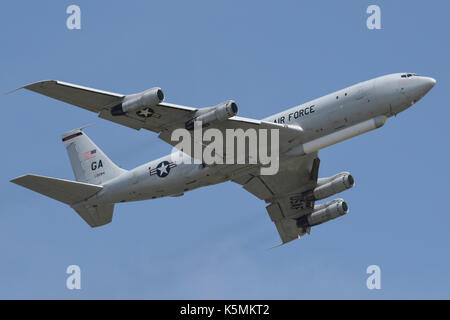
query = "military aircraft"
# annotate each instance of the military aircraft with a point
(291, 193)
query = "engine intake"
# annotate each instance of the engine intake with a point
(220, 112)
(327, 187)
(133, 102)
(323, 213)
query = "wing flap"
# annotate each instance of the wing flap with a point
(295, 175)
(288, 230)
(257, 187)
(155, 119)
(287, 225)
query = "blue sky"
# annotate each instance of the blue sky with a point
(211, 243)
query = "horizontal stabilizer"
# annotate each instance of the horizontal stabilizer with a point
(69, 192)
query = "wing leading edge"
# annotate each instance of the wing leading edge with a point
(162, 118)
(101, 102)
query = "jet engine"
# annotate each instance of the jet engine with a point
(327, 187)
(323, 213)
(220, 112)
(133, 102)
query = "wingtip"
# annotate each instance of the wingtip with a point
(13, 90)
(278, 245)
(17, 179)
(29, 85)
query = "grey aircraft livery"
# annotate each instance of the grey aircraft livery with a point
(290, 194)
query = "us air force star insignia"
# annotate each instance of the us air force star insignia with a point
(145, 113)
(162, 169)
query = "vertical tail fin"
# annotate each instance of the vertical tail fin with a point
(89, 163)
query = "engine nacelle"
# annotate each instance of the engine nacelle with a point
(323, 213)
(222, 111)
(133, 102)
(327, 187)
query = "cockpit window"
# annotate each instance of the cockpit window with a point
(408, 75)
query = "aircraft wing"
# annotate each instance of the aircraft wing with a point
(101, 102)
(163, 118)
(285, 191)
(87, 98)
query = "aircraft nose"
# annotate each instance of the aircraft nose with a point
(428, 83)
(420, 87)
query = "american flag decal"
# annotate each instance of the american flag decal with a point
(89, 154)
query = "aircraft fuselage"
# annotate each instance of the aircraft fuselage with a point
(325, 121)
